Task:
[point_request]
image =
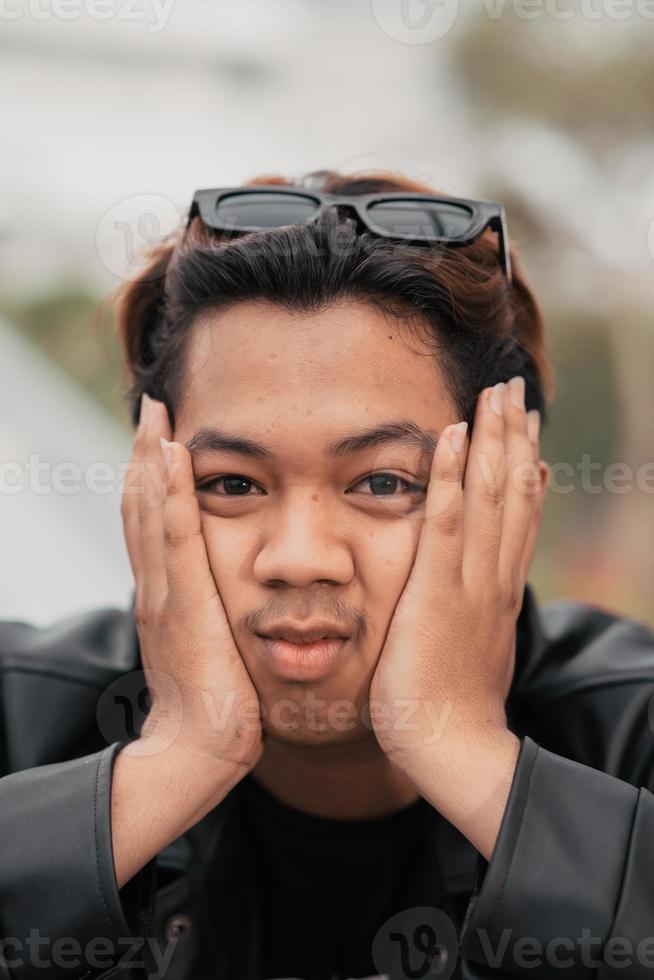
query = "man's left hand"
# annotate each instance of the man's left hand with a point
(437, 698)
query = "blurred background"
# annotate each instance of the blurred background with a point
(116, 110)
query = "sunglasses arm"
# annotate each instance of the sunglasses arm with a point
(498, 224)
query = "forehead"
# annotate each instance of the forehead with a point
(255, 363)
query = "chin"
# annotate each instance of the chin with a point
(312, 715)
(308, 737)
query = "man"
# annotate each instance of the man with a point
(344, 664)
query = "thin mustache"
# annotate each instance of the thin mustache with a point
(343, 625)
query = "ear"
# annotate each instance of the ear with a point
(544, 473)
(532, 540)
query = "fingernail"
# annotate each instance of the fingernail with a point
(517, 391)
(533, 424)
(166, 450)
(457, 436)
(497, 398)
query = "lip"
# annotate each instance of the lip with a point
(302, 633)
(302, 661)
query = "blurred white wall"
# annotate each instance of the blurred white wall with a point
(111, 126)
(113, 120)
(62, 541)
(115, 111)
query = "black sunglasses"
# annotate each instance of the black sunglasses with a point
(409, 217)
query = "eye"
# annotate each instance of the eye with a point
(386, 485)
(233, 486)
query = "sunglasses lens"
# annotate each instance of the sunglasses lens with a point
(249, 212)
(421, 219)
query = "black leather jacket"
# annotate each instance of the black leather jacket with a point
(573, 866)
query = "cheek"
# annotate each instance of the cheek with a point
(384, 559)
(227, 551)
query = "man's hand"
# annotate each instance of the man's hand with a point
(437, 697)
(202, 733)
(203, 699)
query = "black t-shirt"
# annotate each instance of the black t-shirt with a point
(326, 886)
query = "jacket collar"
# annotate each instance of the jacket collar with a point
(531, 644)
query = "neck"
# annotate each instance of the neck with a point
(350, 781)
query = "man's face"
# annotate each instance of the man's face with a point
(304, 533)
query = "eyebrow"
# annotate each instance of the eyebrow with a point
(209, 439)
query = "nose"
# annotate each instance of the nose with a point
(303, 542)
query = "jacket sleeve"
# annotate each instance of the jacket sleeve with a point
(569, 889)
(61, 913)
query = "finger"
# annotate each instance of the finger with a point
(151, 505)
(129, 499)
(533, 427)
(437, 563)
(189, 576)
(519, 489)
(484, 488)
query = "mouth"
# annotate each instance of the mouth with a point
(308, 658)
(304, 634)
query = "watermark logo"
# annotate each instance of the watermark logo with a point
(130, 228)
(416, 944)
(125, 703)
(650, 238)
(415, 21)
(427, 21)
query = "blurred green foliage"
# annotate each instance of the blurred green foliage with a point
(74, 329)
(592, 81)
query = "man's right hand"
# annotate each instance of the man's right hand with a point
(202, 695)
(202, 734)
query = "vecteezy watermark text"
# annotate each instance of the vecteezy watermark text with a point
(67, 477)
(124, 704)
(154, 13)
(527, 952)
(44, 953)
(426, 21)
